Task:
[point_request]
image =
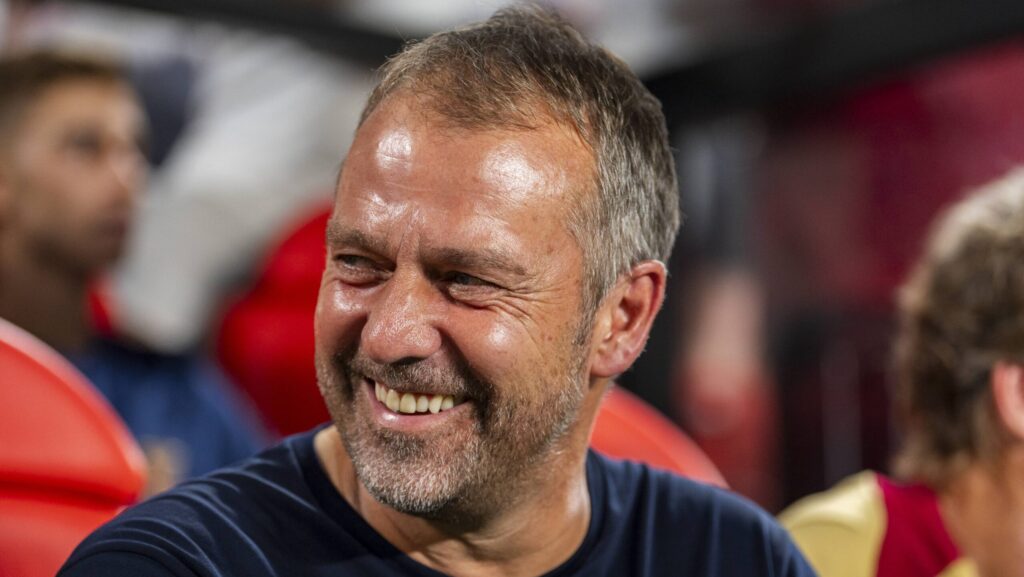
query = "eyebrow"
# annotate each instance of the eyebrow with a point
(340, 235)
(479, 259)
(475, 259)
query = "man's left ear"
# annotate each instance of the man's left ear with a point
(1008, 392)
(624, 319)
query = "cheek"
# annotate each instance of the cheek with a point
(340, 313)
(493, 347)
(74, 200)
(499, 338)
(45, 208)
(506, 352)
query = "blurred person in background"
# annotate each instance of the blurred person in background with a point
(245, 132)
(222, 102)
(71, 168)
(495, 259)
(956, 505)
(862, 175)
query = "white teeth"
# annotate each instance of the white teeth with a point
(411, 403)
(435, 403)
(408, 404)
(392, 400)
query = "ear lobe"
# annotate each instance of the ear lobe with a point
(625, 318)
(1007, 382)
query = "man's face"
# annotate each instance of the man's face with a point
(71, 173)
(453, 289)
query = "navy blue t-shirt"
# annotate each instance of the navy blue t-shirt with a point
(278, 514)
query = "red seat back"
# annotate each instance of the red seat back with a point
(628, 428)
(265, 340)
(67, 462)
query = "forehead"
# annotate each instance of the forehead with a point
(105, 103)
(403, 155)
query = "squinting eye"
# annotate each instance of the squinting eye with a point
(468, 288)
(352, 260)
(466, 279)
(357, 270)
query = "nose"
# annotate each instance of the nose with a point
(402, 325)
(127, 170)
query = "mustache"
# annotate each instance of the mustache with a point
(415, 376)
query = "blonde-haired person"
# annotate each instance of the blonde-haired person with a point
(955, 507)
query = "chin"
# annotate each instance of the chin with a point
(425, 478)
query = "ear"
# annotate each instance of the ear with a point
(624, 319)
(1007, 382)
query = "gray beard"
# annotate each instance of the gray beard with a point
(403, 473)
(461, 479)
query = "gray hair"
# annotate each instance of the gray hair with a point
(525, 67)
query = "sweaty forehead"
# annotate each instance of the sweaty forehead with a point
(402, 145)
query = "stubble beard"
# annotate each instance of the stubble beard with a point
(459, 476)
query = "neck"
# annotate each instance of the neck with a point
(42, 299)
(983, 509)
(533, 535)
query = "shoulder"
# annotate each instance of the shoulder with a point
(841, 530)
(961, 568)
(127, 370)
(697, 525)
(183, 397)
(852, 504)
(640, 488)
(216, 394)
(225, 518)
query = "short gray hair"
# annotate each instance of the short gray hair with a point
(526, 67)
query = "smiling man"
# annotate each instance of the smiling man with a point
(494, 259)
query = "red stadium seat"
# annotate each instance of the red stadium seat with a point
(67, 462)
(265, 340)
(629, 428)
(265, 343)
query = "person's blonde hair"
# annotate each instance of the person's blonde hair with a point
(961, 311)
